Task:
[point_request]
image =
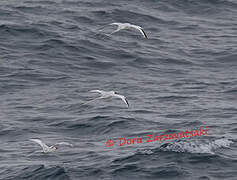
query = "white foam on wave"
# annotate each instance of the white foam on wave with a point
(195, 147)
(145, 151)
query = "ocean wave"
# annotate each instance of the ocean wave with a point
(39, 172)
(196, 147)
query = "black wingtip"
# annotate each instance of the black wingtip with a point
(127, 102)
(144, 34)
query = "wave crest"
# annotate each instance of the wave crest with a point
(193, 147)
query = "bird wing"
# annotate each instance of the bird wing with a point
(97, 91)
(119, 27)
(139, 29)
(126, 101)
(101, 97)
(64, 143)
(38, 141)
(143, 32)
(117, 24)
(123, 98)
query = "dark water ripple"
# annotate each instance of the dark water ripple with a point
(183, 77)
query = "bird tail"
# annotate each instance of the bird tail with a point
(91, 101)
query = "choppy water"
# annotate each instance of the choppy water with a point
(183, 77)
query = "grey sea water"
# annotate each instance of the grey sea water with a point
(184, 76)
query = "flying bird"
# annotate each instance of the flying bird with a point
(121, 26)
(108, 94)
(46, 148)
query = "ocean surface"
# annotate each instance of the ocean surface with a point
(183, 77)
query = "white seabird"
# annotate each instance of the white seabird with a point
(46, 148)
(121, 26)
(108, 94)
